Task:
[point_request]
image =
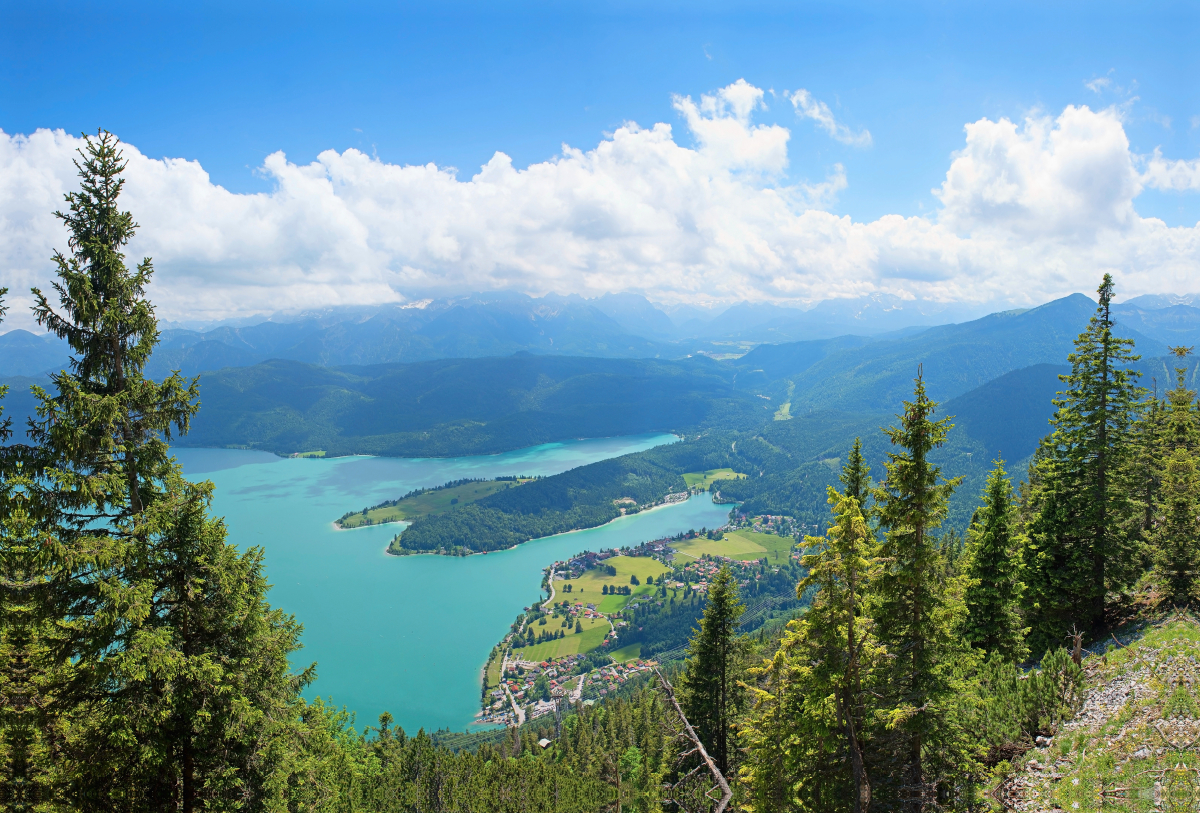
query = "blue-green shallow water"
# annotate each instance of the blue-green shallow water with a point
(410, 634)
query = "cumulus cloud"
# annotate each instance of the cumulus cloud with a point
(810, 108)
(1029, 211)
(1180, 176)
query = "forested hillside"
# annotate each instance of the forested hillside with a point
(463, 406)
(955, 358)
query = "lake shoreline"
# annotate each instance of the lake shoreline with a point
(388, 549)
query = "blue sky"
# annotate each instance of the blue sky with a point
(227, 84)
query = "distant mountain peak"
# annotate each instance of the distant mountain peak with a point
(1160, 301)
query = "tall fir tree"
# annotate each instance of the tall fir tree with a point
(1080, 547)
(171, 687)
(916, 609)
(1176, 535)
(993, 623)
(856, 477)
(710, 694)
(806, 736)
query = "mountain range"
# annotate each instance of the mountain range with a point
(612, 326)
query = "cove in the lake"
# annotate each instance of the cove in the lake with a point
(406, 634)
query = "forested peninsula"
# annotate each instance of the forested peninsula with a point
(580, 498)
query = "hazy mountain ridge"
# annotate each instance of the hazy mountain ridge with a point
(621, 325)
(462, 406)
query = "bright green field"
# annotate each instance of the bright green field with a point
(594, 630)
(431, 502)
(704, 479)
(589, 587)
(627, 653)
(492, 678)
(743, 545)
(309, 454)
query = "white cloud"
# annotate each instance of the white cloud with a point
(1181, 176)
(1099, 84)
(721, 124)
(1069, 178)
(809, 108)
(1028, 211)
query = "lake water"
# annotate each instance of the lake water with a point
(410, 634)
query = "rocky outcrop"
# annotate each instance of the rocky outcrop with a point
(1135, 743)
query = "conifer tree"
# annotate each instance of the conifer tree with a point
(993, 623)
(915, 613)
(710, 695)
(108, 427)
(202, 683)
(1176, 537)
(856, 477)
(172, 687)
(839, 635)
(1080, 547)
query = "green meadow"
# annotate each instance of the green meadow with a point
(589, 588)
(705, 479)
(594, 630)
(743, 545)
(627, 653)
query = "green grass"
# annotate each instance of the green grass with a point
(492, 678)
(438, 501)
(744, 545)
(589, 587)
(704, 479)
(309, 454)
(784, 413)
(627, 653)
(594, 631)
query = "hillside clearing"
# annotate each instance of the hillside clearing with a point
(589, 588)
(745, 546)
(705, 479)
(594, 632)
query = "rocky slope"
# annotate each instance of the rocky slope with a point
(1135, 743)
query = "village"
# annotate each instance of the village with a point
(531, 690)
(567, 649)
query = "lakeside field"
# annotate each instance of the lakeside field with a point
(492, 675)
(433, 501)
(589, 587)
(594, 631)
(705, 479)
(743, 545)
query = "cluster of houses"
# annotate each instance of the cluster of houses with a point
(601, 681)
(518, 681)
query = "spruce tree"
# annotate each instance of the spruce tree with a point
(1176, 536)
(27, 677)
(710, 695)
(914, 613)
(108, 427)
(856, 477)
(1080, 548)
(838, 634)
(170, 674)
(993, 623)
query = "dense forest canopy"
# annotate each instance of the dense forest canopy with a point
(142, 667)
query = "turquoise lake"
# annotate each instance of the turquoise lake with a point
(411, 634)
